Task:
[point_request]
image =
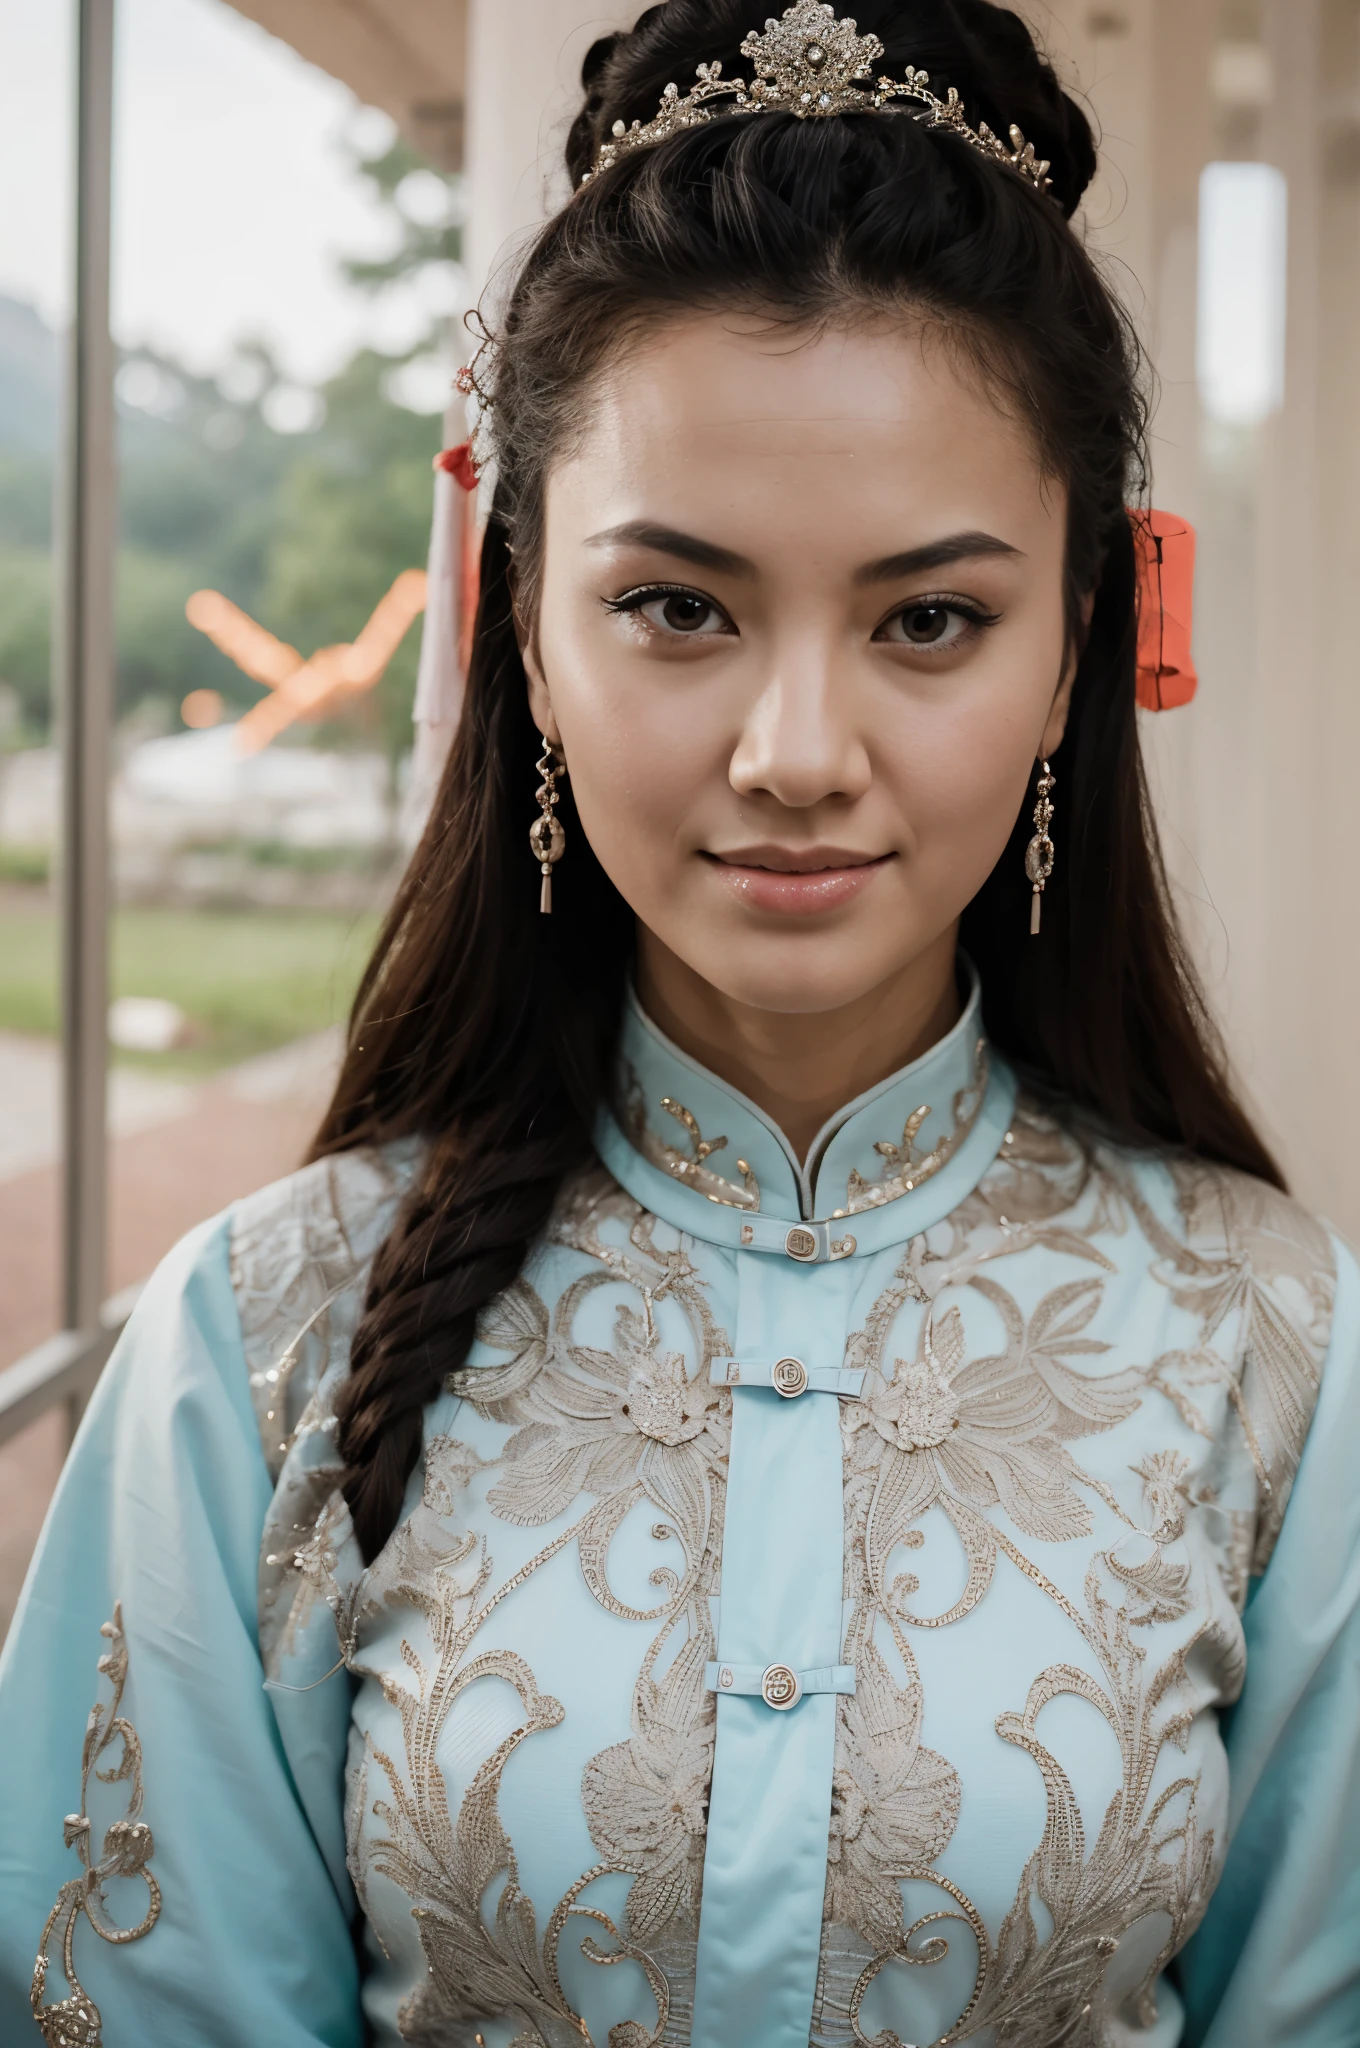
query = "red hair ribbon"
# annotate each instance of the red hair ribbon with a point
(1165, 547)
(460, 563)
(459, 464)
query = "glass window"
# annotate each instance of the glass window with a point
(285, 271)
(285, 289)
(35, 152)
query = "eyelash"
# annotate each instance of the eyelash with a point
(979, 619)
(647, 593)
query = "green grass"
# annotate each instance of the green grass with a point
(24, 864)
(248, 981)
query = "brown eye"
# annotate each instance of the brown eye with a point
(931, 627)
(926, 625)
(671, 612)
(686, 614)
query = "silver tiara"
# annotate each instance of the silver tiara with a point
(811, 64)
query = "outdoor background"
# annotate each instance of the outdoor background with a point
(286, 283)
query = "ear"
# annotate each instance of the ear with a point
(1056, 725)
(540, 700)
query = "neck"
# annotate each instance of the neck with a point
(801, 1067)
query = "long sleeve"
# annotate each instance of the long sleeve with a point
(155, 1531)
(1276, 1962)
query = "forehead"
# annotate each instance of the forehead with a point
(725, 417)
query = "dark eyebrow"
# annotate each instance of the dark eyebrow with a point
(668, 540)
(936, 554)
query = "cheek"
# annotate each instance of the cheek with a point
(642, 747)
(958, 778)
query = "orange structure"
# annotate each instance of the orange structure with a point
(305, 687)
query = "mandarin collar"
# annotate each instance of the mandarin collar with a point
(701, 1154)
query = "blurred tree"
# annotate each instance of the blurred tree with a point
(352, 513)
(305, 530)
(427, 205)
(25, 578)
(25, 636)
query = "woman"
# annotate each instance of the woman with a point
(790, 1400)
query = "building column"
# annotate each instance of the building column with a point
(524, 71)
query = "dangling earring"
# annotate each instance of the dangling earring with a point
(546, 836)
(1039, 852)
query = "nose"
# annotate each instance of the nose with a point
(800, 742)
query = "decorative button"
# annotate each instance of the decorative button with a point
(779, 1688)
(800, 1244)
(790, 1378)
(725, 1677)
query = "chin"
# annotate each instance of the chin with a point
(805, 977)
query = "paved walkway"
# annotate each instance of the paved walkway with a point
(180, 1152)
(30, 1103)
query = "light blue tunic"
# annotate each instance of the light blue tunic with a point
(911, 1598)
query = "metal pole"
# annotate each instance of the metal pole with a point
(84, 673)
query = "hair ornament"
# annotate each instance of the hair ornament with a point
(458, 463)
(812, 64)
(473, 381)
(1165, 549)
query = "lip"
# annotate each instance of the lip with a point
(797, 881)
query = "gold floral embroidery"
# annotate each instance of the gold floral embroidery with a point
(646, 1800)
(894, 1803)
(1256, 1278)
(991, 1442)
(903, 1170)
(1151, 1856)
(75, 2022)
(690, 1167)
(620, 1427)
(300, 1254)
(976, 1434)
(1255, 1270)
(618, 1424)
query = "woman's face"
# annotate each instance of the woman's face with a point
(800, 639)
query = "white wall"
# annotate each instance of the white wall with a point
(1257, 779)
(524, 66)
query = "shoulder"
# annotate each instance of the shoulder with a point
(300, 1253)
(1231, 1285)
(1256, 1274)
(1192, 1215)
(1235, 1240)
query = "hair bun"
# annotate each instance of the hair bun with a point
(990, 57)
(985, 52)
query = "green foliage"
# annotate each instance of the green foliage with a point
(25, 500)
(352, 514)
(305, 532)
(436, 242)
(26, 631)
(160, 656)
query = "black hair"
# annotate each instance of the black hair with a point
(490, 1030)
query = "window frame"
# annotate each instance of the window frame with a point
(64, 1369)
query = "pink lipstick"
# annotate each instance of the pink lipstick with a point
(797, 881)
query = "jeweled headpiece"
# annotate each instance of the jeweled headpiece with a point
(811, 64)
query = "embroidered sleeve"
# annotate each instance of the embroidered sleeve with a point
(1260, 1275)
(75, 2021)
(300, 1253)
(300, 1258)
